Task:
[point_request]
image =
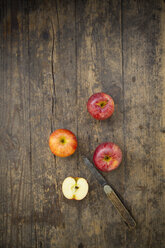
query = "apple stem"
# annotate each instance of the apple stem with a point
(62, 140)
(107, 158)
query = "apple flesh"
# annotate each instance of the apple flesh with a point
(62, 143)
(75, 188)
(100, 106)
(107, 156)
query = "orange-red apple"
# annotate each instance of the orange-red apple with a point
(62, 143)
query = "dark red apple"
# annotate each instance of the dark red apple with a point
(107, 156)
(100, 106)
(62, 142)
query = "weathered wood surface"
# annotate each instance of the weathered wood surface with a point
(53, 56)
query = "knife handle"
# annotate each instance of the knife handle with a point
(120, 207)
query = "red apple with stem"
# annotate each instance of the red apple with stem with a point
(62, 142)
(107, 156)
(100, 106)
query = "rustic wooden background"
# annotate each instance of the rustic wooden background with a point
(53, 56)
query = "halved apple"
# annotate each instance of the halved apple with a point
(75, 188)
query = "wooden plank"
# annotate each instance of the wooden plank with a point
(53, 87)
(143, 86)
(15, 129)
(99, 68)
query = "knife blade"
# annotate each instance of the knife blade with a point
(111, 195)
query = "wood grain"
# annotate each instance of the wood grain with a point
(53, 56)
(142, 53)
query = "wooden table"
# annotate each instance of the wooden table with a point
(53, 56)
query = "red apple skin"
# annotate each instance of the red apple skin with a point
(107, 156)
(100, 106)
(62, 143)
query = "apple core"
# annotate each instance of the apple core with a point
(75, 188)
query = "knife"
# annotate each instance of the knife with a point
(111, 195)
